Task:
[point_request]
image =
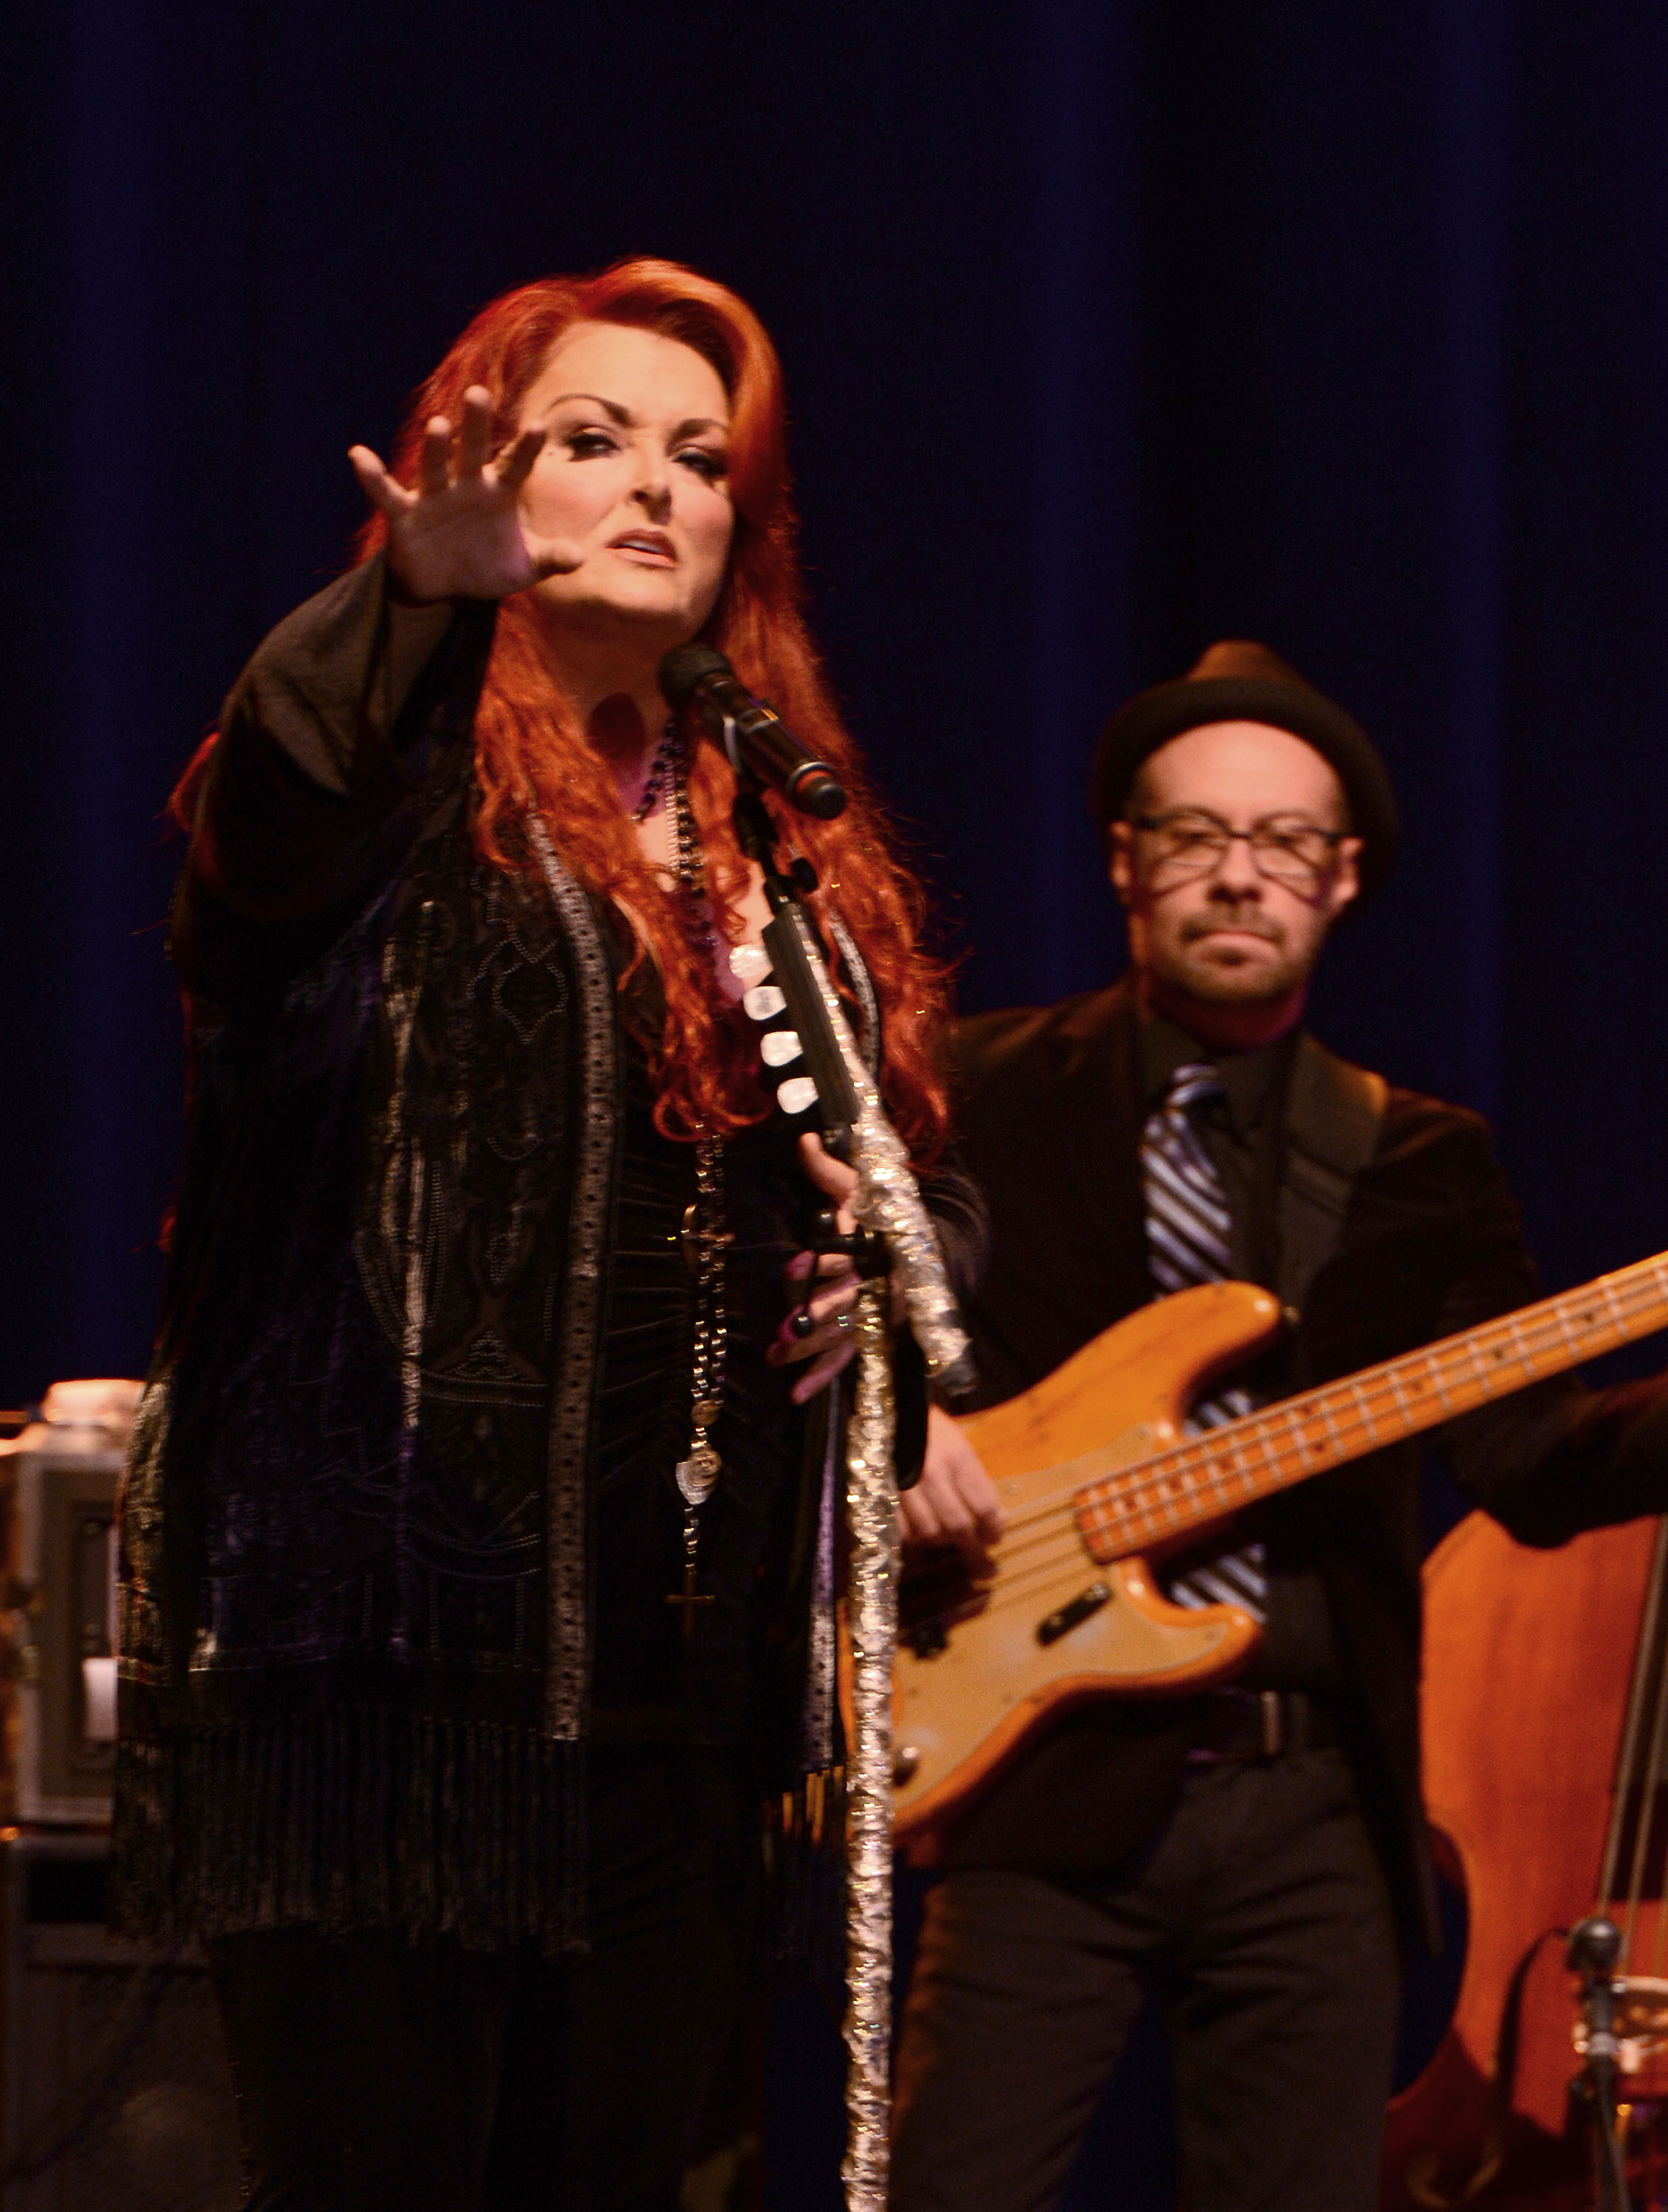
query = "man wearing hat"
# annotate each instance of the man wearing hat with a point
(1248, 1857)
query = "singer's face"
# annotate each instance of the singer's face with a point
(1230, 934)
(634, 472)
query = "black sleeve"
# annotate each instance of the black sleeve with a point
(961, 1222)
(309, 798)
(1558, 1457)
(956, 1206)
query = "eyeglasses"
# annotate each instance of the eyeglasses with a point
(1284, 847)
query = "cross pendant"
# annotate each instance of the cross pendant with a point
(689, 1597)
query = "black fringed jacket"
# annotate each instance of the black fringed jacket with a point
(357, 1581)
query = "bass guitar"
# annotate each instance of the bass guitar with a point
(1096, 1481)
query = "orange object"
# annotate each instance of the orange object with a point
(1095, 1479)
(1545, 1730)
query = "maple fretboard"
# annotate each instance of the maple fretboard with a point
(1216, 1473)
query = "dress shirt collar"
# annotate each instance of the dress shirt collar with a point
(1252, 1082)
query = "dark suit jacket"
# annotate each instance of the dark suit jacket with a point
(1051, 1114)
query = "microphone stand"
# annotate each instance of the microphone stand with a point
(1594, 1946)
(887, 1204)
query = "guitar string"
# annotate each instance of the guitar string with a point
(1643, 1834)
(1644, 1699)
(1651, 1656)
(1148, 1500)
(1121, 1519)
(1117, 1488)
(924, 1595)
(1144, 1503)
(1645, 1692)
(1038, 1584)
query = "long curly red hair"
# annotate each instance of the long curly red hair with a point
(533, 757)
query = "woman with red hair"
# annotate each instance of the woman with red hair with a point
(478, 1533)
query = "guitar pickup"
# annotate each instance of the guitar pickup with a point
(1078, 1608)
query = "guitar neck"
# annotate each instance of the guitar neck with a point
(1222, 1470)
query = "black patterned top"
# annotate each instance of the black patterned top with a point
(398, 1526)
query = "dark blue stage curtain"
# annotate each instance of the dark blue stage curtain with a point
(1111, 326)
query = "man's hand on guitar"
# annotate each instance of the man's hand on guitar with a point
(955, 1501)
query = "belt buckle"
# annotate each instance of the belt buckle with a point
(1272, 1715)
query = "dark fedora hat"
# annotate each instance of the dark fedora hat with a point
(1237, 680)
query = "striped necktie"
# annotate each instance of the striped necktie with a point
(1188, 1228)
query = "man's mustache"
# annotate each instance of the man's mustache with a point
(1249, 919)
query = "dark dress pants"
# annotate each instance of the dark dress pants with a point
(1258, 1921)
(379, 2075)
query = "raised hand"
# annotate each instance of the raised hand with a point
(460, 535)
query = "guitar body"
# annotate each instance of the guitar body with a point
(970, 1693)
(1093, 1483)
(1528, 1655)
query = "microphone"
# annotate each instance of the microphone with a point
(749, 729)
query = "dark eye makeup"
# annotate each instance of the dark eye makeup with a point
(706, 462)
(586, 442)
(585, 445)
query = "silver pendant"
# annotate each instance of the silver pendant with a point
(697, 1474)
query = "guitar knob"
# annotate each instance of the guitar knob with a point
(905, 1760)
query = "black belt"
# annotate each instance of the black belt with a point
(1261, 1724)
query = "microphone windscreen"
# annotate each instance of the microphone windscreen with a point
(685, 667)
(814, 791)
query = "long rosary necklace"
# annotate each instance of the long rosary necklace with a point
(704, 1236)
(703, 1242)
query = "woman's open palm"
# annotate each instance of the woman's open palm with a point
(460, 535)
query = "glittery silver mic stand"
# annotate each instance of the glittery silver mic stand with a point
(888, 1203)
(888, 1199)
(872, 1632)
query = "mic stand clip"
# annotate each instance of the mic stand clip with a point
(1594, 1946)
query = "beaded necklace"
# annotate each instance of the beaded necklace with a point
(704, 1236)
(659, 769)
